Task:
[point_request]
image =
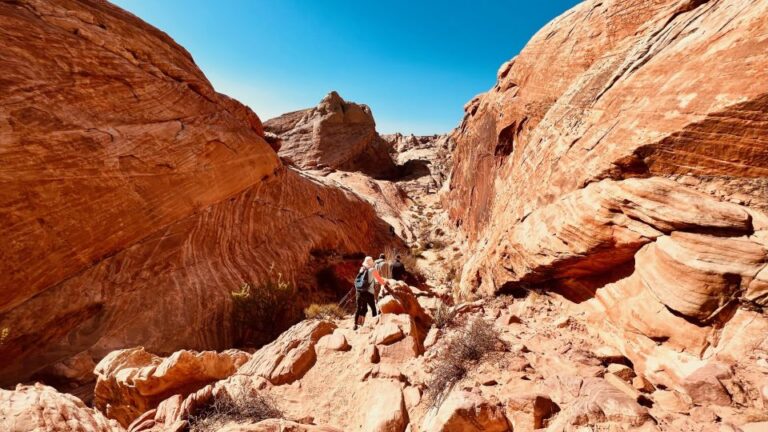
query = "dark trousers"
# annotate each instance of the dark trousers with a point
(364, 301)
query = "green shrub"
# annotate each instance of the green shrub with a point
(257, 306)
(324, 311)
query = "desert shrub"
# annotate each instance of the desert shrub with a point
(324, 311)
(255, 309)
(243, 407)
(444, 316)
(464, 348)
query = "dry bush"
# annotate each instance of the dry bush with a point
(465, 347)
(324, 311)
(444, 316)
(255, 309)
(243, 407)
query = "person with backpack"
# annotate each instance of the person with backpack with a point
(382, 266)
(365, 285)
(397, 269)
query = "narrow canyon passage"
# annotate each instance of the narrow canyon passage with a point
(586, 250)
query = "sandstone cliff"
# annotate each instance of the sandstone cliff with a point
(134, 197)
(620, 160)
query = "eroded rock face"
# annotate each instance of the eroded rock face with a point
(334, 135)
(40, 408)
(134, 197)
(621, 160)
(617, 89)
(132, 381)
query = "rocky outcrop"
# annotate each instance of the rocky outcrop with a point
(41, 408)
(135, 198)
(620, 160)
(133, 381)
(289, 357)
(334, 135)
(465, 411)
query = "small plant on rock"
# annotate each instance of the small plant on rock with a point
(444, 316)
(324, 311)
(255, 309)
(465, 347)
(242, 407)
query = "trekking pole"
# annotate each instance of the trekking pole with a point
(344, 299)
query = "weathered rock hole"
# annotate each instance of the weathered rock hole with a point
(506, 141)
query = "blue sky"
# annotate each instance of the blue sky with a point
(415, 63)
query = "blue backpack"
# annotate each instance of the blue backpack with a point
(361, 281)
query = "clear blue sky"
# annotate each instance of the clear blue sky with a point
(415, 63)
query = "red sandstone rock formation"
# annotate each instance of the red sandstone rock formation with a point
(41, 408)
(133, 381)
(134, 197)
(335, 135)
(621, 160)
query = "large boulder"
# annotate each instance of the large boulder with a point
(335, 135)
(598, 402)
(291, 355)
(133, 381)
(463, 411)
(134, 197)
(40, 408)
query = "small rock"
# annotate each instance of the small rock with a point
(642, 384)
(622, 385)
(333, 342)
(518, 364)
(412, 396)
(464, 411)
(622, 371)
(705, 385)
(530, 411)
(507, 319)
(388, 333)
(519, 348)
(390, 305)
(371, 353)
(670, 400)
(562, 322)
(608, 354)
(387, 371)
(703, 415)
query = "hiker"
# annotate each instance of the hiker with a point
(397, 269)
(382, 267)
(365, 282)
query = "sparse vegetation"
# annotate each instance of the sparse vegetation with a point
(242, 407)
(324, 311)
(255, 309)
(444, 316)
(465, 347)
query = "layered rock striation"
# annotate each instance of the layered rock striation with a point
(134, 198)
(620, 160)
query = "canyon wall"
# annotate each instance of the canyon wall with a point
(134, 198)
(622, 160)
